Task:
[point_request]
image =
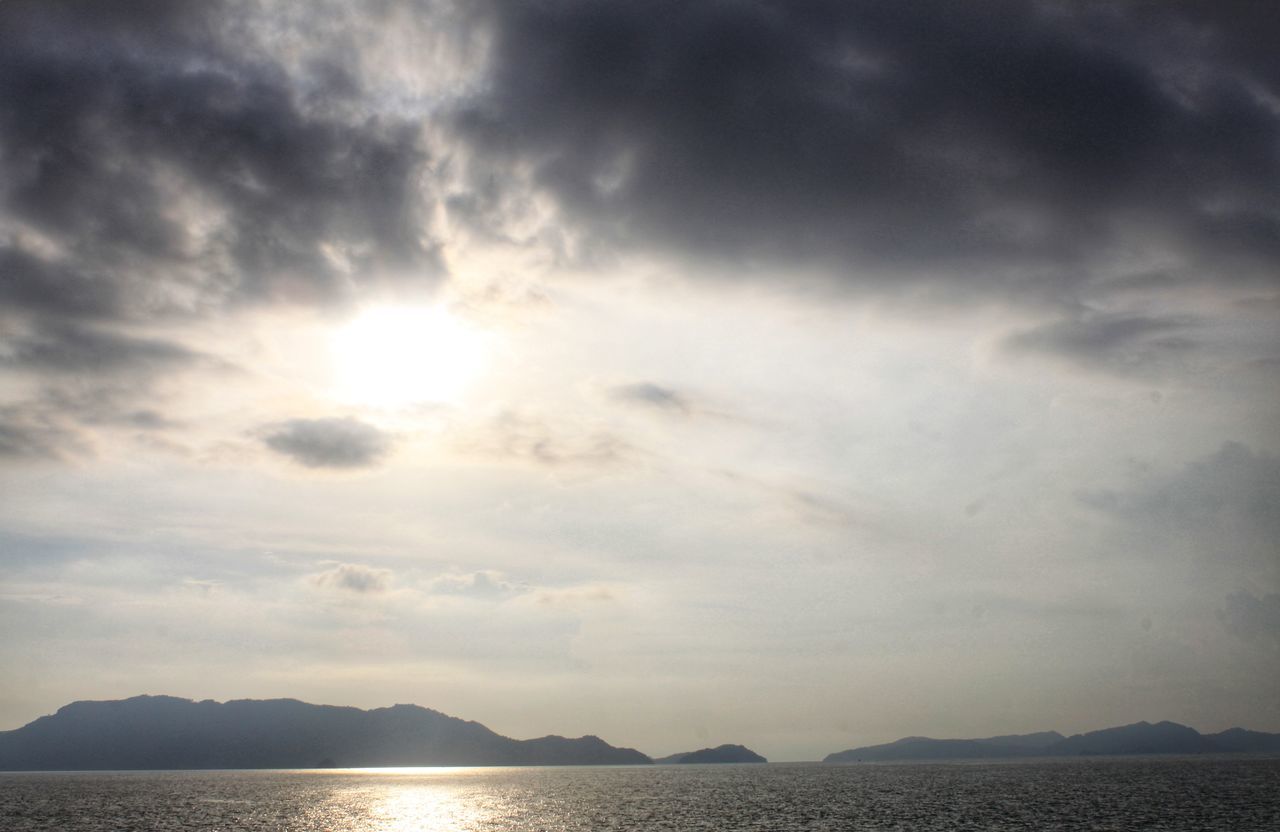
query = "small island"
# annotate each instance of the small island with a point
(719, 754)
(1138, 738)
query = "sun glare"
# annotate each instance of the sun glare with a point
(393, 356)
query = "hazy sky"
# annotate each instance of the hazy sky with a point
(797, 374)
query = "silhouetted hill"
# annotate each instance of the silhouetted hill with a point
(1038, 740)
(926, 748)
(164, 732)
(1238, 739)
(1139, 738)
(719, 754)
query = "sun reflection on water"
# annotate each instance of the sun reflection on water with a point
(425, 808)
(1095, 794)
(413, 799)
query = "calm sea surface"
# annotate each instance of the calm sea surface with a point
(1111, 794)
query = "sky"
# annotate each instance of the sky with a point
(796, 374)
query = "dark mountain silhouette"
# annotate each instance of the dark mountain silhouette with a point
(1238, 739)
(164, 732)
(1139, 738)
(719, 754)
(925, 748)
(1038, 740)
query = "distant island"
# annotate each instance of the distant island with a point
(719, 754)
(1139, 738)
(165, 732)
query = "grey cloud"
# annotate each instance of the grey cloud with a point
(1010, 606)
(353, 577)
(481, 584)
(90, 379)
(1001, 144)
(820, 509)
(809, 506)
(59, 423)
(68, 348)
(1102, 499)
(1228, 502)
(28, 433)
(1235, 480)
(1251, 617)
(57, 289)
(128, 406)
(521, 436)
(1116, 343)
(146, 420)
(652, 395)
(576, 596)
(328, 443)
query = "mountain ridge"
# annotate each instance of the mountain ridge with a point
(1137, 738)
(168, 732)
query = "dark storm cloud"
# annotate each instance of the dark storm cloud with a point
(328, 443)
(171, 156)
(648, 394)
(175, 157)
(1005, 144)
(1109, 342)
(154, 161)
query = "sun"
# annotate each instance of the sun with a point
(399, 355)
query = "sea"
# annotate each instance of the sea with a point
(1132, 793)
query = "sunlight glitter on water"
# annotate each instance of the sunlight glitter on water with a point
(416, 771)
(1120, 794)
(434, 808)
